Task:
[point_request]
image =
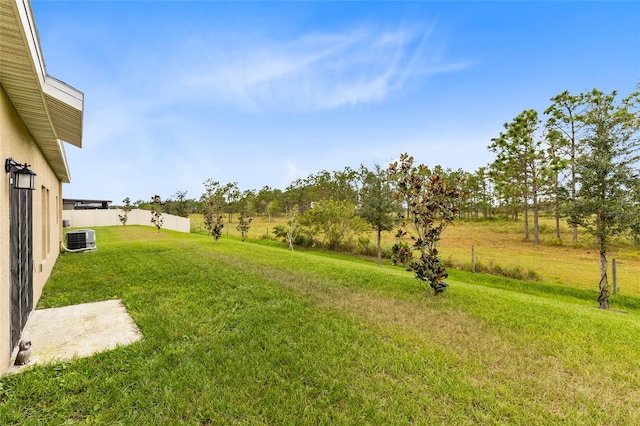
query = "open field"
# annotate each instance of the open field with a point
(499, 244)
(251, 333)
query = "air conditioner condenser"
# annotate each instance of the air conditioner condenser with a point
(83, 239)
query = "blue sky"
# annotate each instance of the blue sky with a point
(263, 93)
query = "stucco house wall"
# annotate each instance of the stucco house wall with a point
(37, 115)
(16, 142)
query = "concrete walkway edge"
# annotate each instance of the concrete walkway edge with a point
(61, 334)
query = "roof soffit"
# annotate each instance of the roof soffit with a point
(51, 110)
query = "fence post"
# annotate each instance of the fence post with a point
(614, 271)
(473, 258)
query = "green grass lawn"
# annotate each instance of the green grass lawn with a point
(250, 333)
(499, 247)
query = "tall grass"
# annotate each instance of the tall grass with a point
(245, 333)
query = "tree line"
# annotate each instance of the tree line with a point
(577, 161)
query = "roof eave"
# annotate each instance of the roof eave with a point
(66, 110)
(61, 107)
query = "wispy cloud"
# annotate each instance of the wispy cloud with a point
(314, 71)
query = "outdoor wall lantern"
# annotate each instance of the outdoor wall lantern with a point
(24, 178)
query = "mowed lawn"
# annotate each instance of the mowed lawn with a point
(251, 333)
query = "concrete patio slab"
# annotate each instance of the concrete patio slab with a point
(60, 334)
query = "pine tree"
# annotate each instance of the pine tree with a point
(607, 173)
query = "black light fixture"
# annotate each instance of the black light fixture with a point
(23, 177)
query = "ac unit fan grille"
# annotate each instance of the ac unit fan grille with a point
(78, 240)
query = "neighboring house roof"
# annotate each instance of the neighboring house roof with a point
(51, 110)
(81, 204)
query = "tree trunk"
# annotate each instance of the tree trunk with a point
(379, 251)
(574, 227)
(603, 299)
(526, 200)
(557, 208)
(484, 201)
(536, 225)
(526, 218)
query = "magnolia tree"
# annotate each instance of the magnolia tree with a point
(156, 212)
(126, 208)
(244, 222)
(212, 202)
(431, 205)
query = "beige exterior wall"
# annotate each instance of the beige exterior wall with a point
(92, 218)
(16, 142)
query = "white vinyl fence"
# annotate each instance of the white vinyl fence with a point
(92, 218)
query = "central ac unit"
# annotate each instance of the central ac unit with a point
(81, 239)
